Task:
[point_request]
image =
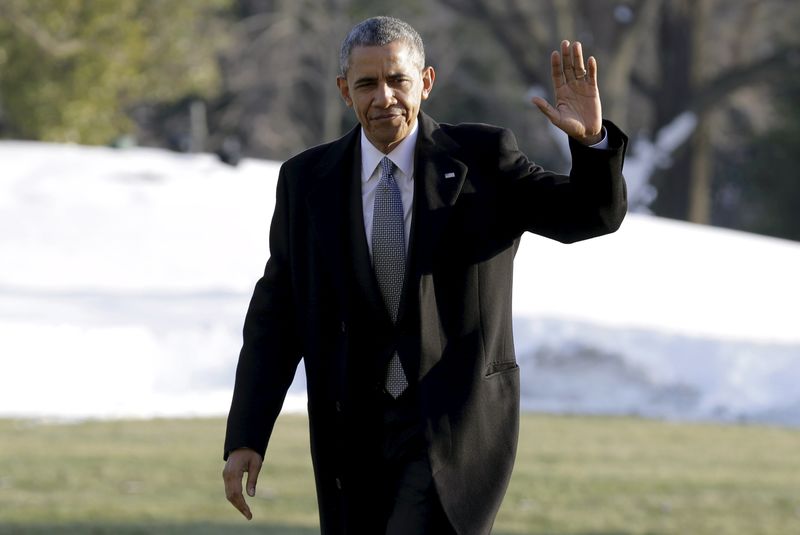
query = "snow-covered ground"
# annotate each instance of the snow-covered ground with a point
(125, 276)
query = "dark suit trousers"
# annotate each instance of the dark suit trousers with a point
(412, 503)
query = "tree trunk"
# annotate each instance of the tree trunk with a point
(700, 174)
(700, 167)
(671, 97)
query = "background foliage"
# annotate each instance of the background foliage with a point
(71, 70)
(263, 71)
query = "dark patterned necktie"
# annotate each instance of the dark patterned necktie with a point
(389, 259)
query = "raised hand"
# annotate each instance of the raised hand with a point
(577, 111)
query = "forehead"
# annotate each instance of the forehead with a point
(395, 56)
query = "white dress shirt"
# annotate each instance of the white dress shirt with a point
(403, 158)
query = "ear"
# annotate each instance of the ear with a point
(428, 77)
(344, 89)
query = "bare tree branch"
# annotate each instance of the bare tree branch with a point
(565, 19)
(510, 31)
(644, 87)
(725, 83)
(55, 47)
(628, 49)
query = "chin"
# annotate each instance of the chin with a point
(387, 138)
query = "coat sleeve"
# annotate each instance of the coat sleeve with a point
(270, 352)
(590, 201)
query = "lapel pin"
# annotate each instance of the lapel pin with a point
(449, 175)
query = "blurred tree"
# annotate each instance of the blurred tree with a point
(76, 69)
(529, 31)
(279, 91)
(280, 95)
(759, 181)
(658, 60)
(279, 73)
(70, 69)
(709, 51)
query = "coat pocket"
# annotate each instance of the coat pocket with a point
(498, 368)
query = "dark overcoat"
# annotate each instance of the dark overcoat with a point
(475, 195)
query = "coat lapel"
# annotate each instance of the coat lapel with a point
(362, 264)
(335, 208)
(438, 182)
(328, 210)
(438, 178)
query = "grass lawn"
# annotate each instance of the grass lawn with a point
(574, 476)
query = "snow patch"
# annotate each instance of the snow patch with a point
(126, 274)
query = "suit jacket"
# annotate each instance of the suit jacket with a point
(475, 194)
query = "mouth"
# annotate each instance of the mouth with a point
(386, 116)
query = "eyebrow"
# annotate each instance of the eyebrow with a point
(390, 76)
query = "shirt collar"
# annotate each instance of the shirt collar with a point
(402, 155)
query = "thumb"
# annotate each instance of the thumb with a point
(546, 109)
(252, 475)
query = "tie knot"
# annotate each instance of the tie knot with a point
(387, 167)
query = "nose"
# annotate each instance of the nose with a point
(384, 95)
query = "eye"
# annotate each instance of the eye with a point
(364, 84)
(400, 80)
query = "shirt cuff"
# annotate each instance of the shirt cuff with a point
(603, 143)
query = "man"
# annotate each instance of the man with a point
(390, 275)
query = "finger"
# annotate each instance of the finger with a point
(566, 60)
(238, 501)
(546, 109)
(233, 490)
(556, 71)
(577, 60)
(591, 72)
(234, 495)
(252, 475)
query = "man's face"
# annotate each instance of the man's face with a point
(385, 88)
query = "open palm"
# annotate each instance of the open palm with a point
(577, 109)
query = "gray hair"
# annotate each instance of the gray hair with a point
(380, 31)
